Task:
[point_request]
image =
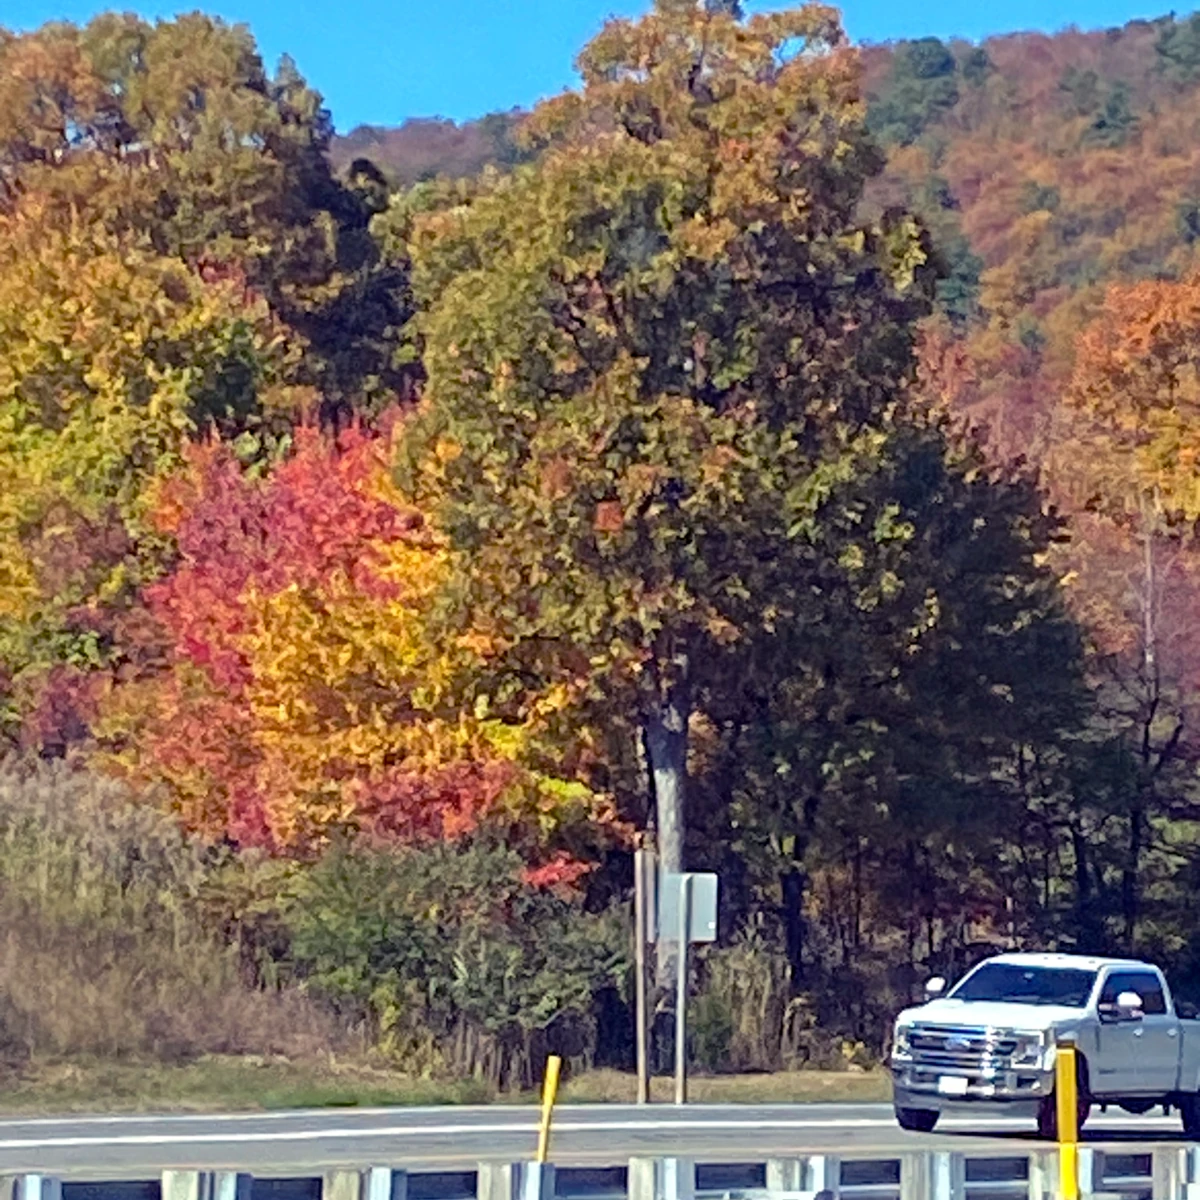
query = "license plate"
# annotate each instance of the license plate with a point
(952, 1085)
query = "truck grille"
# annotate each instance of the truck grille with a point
(959, 1047)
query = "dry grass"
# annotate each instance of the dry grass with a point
(219, 1084)
(246, 1083)
(87, 994)
(782, 1087)
(105, 952)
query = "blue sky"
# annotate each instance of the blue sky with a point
(379, 61)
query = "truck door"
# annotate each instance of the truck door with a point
(1115, 1070)
(1145, 1052)
(1158, 1038)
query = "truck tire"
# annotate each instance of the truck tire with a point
(1047, 1116)
(1189, 1111)
(917, 1120)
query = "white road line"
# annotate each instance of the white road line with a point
(353, 1112)
(348, 1112)
(286, 1114)
(680, 1125)
(426, 1131)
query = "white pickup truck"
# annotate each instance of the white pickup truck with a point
(989, 1044)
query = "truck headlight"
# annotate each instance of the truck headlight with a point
(1030, 1049)
(900, 1044)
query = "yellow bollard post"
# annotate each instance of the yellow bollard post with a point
(549, 1093)
(1067, 1110)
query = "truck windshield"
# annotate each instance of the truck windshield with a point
(1027, 985)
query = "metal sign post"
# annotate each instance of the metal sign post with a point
(685, 922)
(643, 908)
(686, 913)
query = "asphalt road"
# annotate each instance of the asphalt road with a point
(447, 1139)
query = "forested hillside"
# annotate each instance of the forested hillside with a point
(1047, 166)
(785, 454)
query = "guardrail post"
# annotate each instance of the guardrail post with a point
(1191, 1172)
(183, 1185)
(337, 1185)
(201, 1185)
(38, 1187)
(949, 1172)
(1091, 1169)
(229, 1185)
(535, 1181)
(1043, 1174)
(676, 1179)
(916, 1176)
(641, 1179)
(382, 1183)
(495, 1181)
(1168, 1172)
(823, 1173)
(785, 1174)
(661, 1179)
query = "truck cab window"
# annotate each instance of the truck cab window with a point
(1146, 985)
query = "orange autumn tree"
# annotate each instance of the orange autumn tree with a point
(1135, 395)
(303, 695)
(1124, 461)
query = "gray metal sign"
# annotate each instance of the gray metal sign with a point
(702, 907)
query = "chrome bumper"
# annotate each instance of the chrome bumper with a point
(1021, 1109)
(926, 1086)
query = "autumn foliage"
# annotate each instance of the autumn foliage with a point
(303, 694)
(781, 451)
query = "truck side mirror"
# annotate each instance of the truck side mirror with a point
(935, 987)
(1129, 1006)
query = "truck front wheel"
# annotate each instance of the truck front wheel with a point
(918, 1120)
(1047, 1117)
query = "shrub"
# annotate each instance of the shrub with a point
(454, 960)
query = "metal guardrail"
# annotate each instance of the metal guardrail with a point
(1134, 1172)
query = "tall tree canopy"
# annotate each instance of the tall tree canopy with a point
(177, 259)
(654, 354)
(1135, 398)
(174, 133)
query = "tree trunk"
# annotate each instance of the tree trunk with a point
(794, 885)
(666, 737)
(1087, 926)
(1131, 878)
(856, 932)
(665, 733)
